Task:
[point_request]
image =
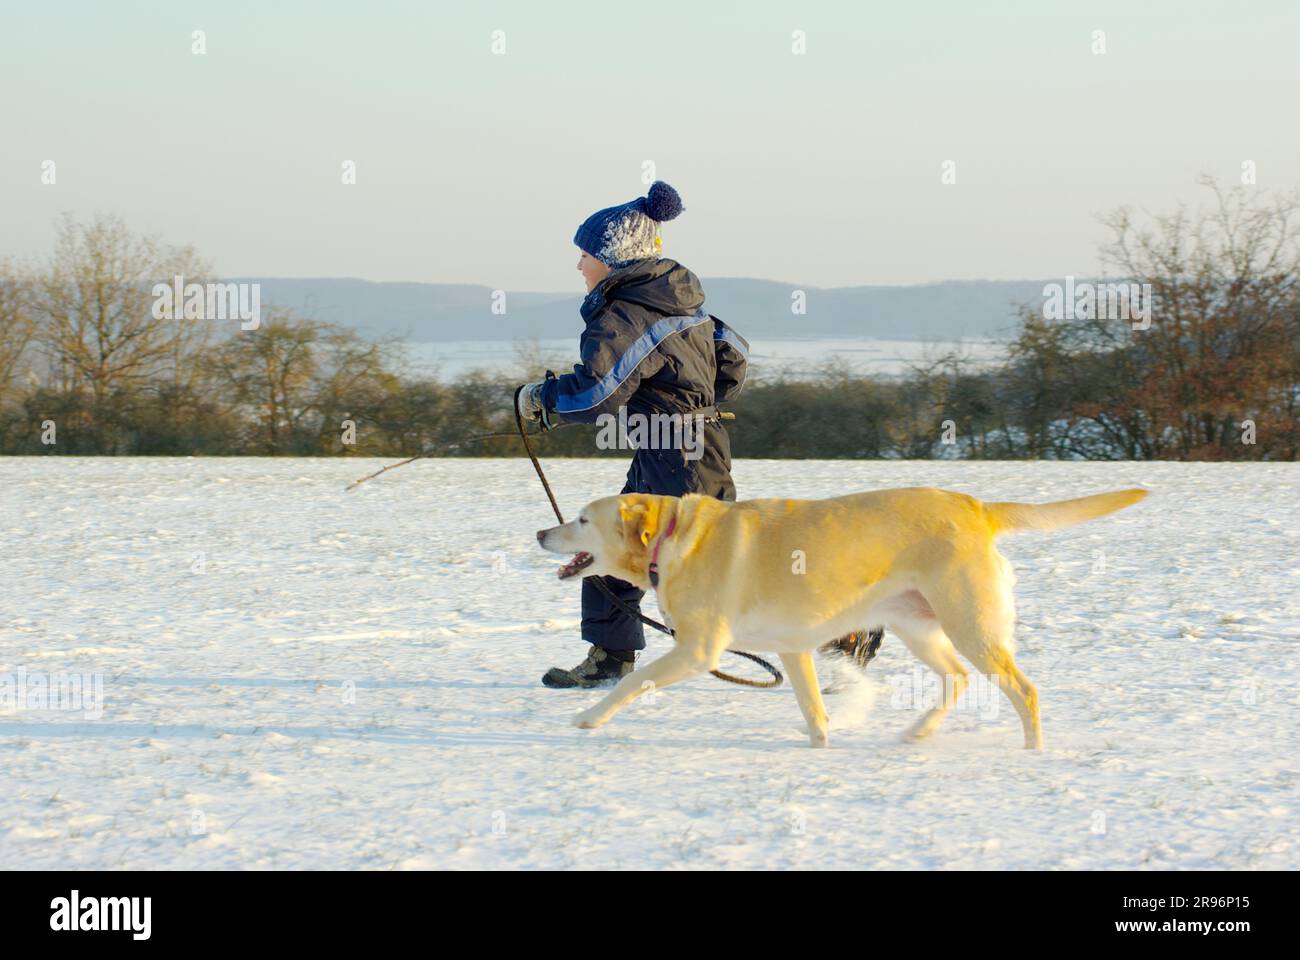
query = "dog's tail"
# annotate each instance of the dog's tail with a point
(1010, 517)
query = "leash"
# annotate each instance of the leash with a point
(627, 610)
(424, 454)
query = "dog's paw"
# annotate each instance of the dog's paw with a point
(916, 733)
(818, 736)
(587, 720)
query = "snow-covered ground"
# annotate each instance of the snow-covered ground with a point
(298, 677)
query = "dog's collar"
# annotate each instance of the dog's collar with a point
(654, 556)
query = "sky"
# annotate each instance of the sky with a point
(823, 168)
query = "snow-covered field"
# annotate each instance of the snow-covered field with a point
(298, 677)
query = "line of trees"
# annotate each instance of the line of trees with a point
(87, 367)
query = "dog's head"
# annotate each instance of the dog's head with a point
(611, 537)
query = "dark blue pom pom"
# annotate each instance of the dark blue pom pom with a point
(662, 202)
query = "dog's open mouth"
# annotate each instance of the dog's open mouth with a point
(581, 561)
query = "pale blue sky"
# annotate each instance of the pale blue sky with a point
(822, 169)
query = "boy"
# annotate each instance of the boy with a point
(649, 348)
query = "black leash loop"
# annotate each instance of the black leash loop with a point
(777, 678)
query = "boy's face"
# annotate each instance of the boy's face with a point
(592, 270)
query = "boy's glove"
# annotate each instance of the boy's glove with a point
(530, 405)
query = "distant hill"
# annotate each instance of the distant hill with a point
(426, 312)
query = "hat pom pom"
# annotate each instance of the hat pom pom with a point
(662, 202)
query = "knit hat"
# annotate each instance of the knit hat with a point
(617, 236)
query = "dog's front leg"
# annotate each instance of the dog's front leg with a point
(803, 677)
(678, 664)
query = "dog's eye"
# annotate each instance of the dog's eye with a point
(582, 519)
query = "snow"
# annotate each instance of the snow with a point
(295, 677)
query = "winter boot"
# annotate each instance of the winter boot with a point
(602, 668)
(858, 647)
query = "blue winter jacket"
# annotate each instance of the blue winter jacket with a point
(649, 344)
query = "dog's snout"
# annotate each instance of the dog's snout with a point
(541, 537)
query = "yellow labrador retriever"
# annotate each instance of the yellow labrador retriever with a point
(785, 575)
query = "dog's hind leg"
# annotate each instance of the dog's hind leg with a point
(682, 662)
(803, 677)
(929, 644)
(1020, 691)
(1000, 664)
(976, 610)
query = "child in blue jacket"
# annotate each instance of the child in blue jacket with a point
(649, 348)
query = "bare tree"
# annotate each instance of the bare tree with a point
(1222, 348)
(93, 308)
(16, 328)
(354, 383)
(268, 375)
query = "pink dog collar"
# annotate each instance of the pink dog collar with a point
(654, 556)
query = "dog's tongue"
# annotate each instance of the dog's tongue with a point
(580, 560)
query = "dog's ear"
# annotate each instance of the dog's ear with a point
(640, 516)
